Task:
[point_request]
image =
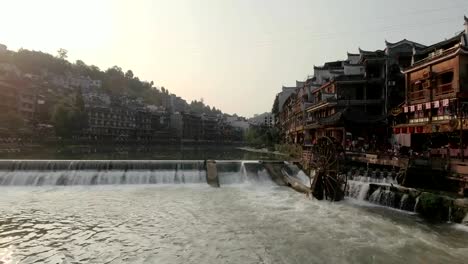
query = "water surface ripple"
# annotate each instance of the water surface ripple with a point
(199, 224)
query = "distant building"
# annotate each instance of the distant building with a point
(18, 97)
(210, 128)
(111, 123)
(177, 104)
(265, 120)
(236, 122)
(93, 97)
(143, 128)
(69, 82)
(9, 101)
(176, 124)
(192, 126)
(9, 71)
(3, 48)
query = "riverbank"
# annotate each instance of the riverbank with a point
(134, 152)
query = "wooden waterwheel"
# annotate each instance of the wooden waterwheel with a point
(328, 180)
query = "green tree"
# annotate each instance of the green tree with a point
(62, 120)
(62, 54)
(70, 118)
(129, 74)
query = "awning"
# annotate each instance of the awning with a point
(331, 120)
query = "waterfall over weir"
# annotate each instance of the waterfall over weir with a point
(99, 172)
(90, 172)
(381, 193)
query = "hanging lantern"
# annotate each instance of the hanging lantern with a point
(411, 130)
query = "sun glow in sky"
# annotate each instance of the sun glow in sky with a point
(236, 54)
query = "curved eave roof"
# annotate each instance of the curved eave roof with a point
(447, 54)
(455, 39)
(404, 41)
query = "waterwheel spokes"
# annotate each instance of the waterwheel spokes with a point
(326, 160)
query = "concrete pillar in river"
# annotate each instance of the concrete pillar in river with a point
(212, 173)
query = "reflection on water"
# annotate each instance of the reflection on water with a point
(155, 152)
(199, 224)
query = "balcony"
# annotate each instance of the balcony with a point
(311, 120)
(352, 102)
(326, 101)
(416, 95)
(444, 89)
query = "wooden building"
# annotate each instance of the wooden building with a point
(436, 94)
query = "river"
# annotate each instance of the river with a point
(165, 212)
(244, 221)
(134, 152)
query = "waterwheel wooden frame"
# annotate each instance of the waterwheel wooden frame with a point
(327, 163)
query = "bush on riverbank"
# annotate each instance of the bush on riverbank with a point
(262, 137)
(293, 151)
(434, 207)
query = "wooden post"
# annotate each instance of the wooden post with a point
(317, 186)
(461, 130)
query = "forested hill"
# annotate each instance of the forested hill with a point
(115, 81)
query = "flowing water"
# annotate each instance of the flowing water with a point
(248, 220)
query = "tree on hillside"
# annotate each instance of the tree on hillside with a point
(36, 62)
(62, 54)
(114, 80)
(129, 74)
(70, 118)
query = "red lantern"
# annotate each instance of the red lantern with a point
(419, 129)
(404, 130)
(411, 130)
(396, 130)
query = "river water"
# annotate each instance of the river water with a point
(136, 211)
(194, 223)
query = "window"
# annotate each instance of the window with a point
(416, 86)
(446, 78)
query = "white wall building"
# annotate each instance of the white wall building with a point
(265, 119)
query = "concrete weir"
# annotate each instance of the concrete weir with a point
(212, 174)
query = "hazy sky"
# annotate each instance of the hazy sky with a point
(236, 54)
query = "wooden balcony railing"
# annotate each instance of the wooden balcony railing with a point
(444, 89)
(416, 95)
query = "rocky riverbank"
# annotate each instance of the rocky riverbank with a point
(431, 205)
